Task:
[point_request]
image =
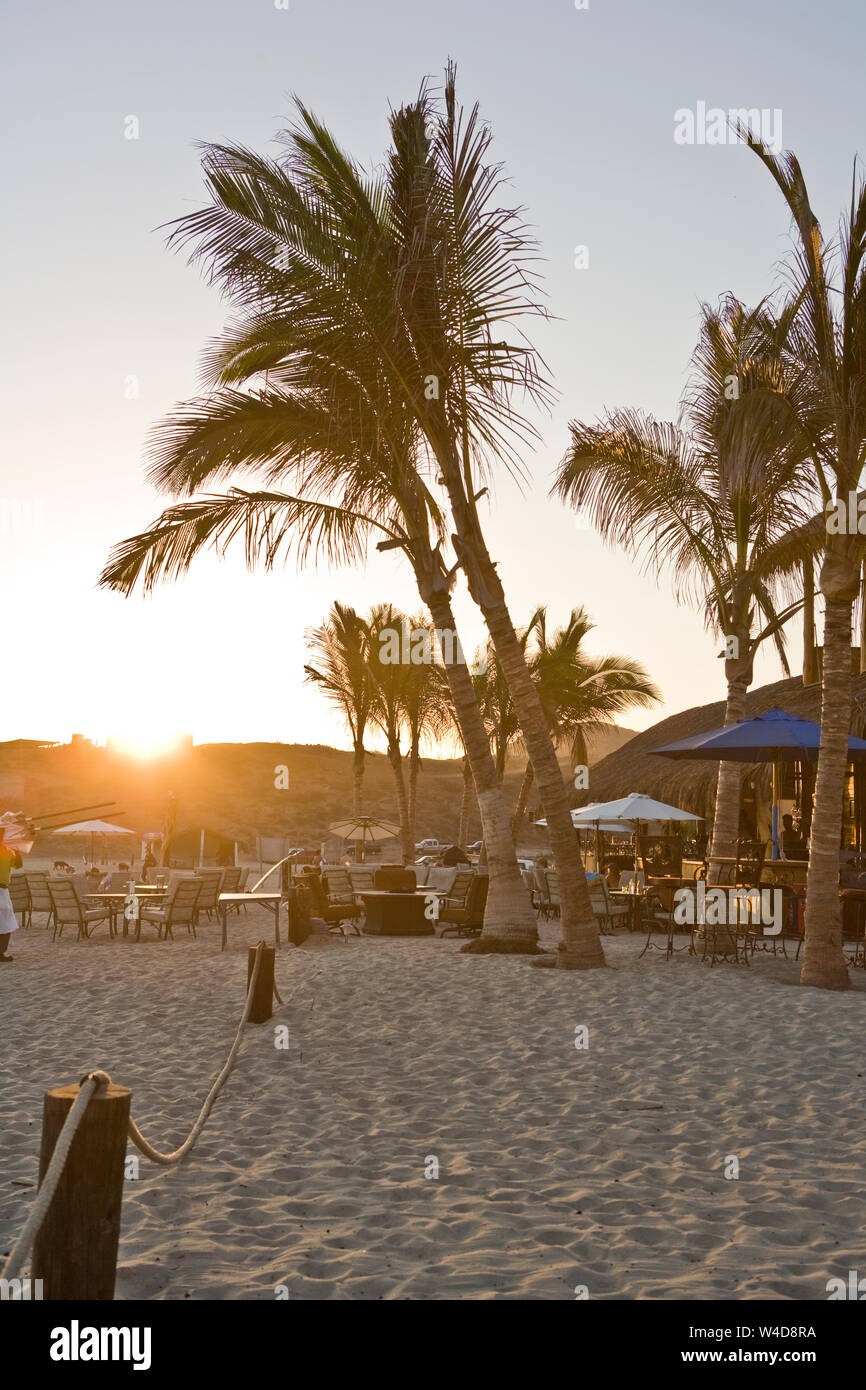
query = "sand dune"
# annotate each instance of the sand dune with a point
(557, 1167)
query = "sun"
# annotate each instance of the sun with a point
(146, 741)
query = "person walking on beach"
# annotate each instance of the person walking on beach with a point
(9, 859)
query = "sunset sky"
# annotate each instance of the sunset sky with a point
(94, 298)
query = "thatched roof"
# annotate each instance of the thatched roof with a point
(692, 784)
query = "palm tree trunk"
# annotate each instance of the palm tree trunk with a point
(726, 821)
(823, 961)
(414, 769)
(810, 651)
(522, 798)
(863, 618)
(580, 945)
(358, 781)
(396, 761)
(465, 805)
(509, 921)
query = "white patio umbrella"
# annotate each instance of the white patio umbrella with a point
(93, 828)
(365, 829)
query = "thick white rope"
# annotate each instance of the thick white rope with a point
(90, 1084)
(169, 1160)
(49, 1183)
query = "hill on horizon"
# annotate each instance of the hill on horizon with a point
(230, 787)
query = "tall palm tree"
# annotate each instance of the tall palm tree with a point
(388, 709)
(340, 647)
(464, 273)
(715, 497)
(309, 387)
(580, 694)
(828, 340)
(423, 697)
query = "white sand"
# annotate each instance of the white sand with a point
(557, 1167)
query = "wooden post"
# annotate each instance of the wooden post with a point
(263, 998)
(75, 1251)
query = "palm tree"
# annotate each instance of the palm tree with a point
(828, 341)
(581, 695)
(308, 386)
(464, 280)
(715, 496)
(388, 710)
(340, 646)
(423, 696)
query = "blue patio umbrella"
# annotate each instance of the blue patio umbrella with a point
(775, 737)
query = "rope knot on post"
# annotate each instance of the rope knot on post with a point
(101, 1078)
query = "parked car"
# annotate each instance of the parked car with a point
(429, 845)
(476, 848)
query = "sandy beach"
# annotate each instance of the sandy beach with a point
(558, 1167)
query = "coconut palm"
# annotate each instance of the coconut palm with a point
(309, 386)
(464, 277)
(424, 700)
(828, 340)
(715, 497)
(388, 711)
(340, 648)
(581, 695)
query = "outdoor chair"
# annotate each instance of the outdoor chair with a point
(421, 872)
(442, 877)
(777, 944)
(69, 910)
(660, 908)
(19, 895)
(180, 910)
(606, 912)
(553, 900)
(542, 892)
(468, 919)
(339, 904)
(209, 881)
(231, 880)
(750, 863)
(361, 879)
(40, 898)
(529, 881)
(853, 904)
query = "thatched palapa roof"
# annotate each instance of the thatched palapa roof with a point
(692, 784)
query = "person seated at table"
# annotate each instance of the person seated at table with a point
(792, 842)
(93, 872)
(149, 862)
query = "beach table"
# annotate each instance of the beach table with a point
(227, 900)
(120, 898)
(398, 914)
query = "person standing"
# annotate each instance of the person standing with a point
(9, 859)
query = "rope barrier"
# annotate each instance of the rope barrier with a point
(45, 1196)
(89, 1085)
(170, 1159)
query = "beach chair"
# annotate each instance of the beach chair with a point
(19, 896)
(180, 910)
(542, 891)
(608, 914)
(339, 903)
(529, 882)
(231, 880)
(553, 899)
(361, 879)
(210, 881)
(40, 898)
(660, 908)
(442, 878)
(467, 920)
(69, 910)
(421, 872)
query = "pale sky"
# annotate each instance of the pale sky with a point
(582, 104)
